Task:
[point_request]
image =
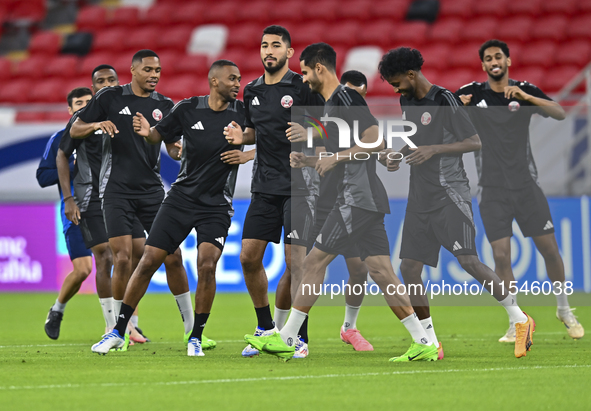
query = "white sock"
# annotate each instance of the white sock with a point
(513, 310)
(108, 311)
(561, 299)
(134, 320)
(183, 301)
(117, 307)
(280, 316)
(351, 314)
(415, 329)
(289, 333)
(427, 324)
(59, 307)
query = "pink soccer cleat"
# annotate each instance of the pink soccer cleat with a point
(440, 352)
(354, 337)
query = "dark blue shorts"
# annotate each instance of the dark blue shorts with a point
(75, 243)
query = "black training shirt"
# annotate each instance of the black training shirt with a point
(130, 166)
(203, 178)
(503, 126)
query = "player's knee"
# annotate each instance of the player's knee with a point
(249, 263)
(469, 263)
(502, 256)
(104, 259)
(122, 258)
(410, 269)
(206, 270)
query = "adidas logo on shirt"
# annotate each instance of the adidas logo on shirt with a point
(548, 225)
(220, 240)
(294, 235)
(198, 126)
(457, 246)
(125, 111)
(255, 101)
(482, 104)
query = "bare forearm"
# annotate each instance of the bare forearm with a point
(153, 137)
(80, 129)
(63, 171)
(552, 108)
(466, 146)
(250, 155)
(248, 137)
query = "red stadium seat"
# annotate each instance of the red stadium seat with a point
(343, 33)
(6, 68)
(290, 9)
(580, 27)
(540, 54)
(457, 79)
(376, 34)
(62, 66)
(74, 82)
(15, 91)
(552, 28)
(93, 60)
(237, 56)
(560, 6)
(192, 13)
(465, 56)
(124, 77)
(584, 6)
(252, 62)
(556, 78)
(125, 16)
(111, 40)
(496, 8)
(177, 87)
(45, 42)
(48, 91)
(530, 8)
(91, 18)
(245, 35)
(577, 52)
(325, 11)
(448, 30)
(31, 10)
(360, 10)
(394, 10)
(195, 64)
(160, 14)
(122, 64)
(257, 11)
(411, 33)
(224, 12)
(437, 55)
(142, 38)
(31, 67)
(432, 74)
(381, 87)
(174, 38)
(456, 8)
(516, 28)
(532, 75)
(310, 33)
(58, 116)
(169, 60)
(480, 29)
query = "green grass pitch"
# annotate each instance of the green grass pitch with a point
(478, 373)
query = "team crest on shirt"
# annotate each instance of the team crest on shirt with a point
(287, 101)
(514, 106)
(157, 114)
(426, 118)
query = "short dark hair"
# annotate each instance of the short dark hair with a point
(354, 77)
(77, 93)
(400, 60)
(103, 67)
(278, 31)
(222, 63)
(142, 54)
(320, 53)
(493, 43)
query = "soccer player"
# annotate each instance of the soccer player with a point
(84, 207)
(130, 184)
(80, 256)
(268, 101)
(201, 197)
(357, 216)
(439, 210)
(507, 172)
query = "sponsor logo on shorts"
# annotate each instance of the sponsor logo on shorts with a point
(548, 225)
(220, 240)
(457, 246)
(294, 235)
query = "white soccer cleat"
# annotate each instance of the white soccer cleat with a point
(509, 336)
(110, 340)
(249, 350)
(194, 348)
(301, 349)
(573, 326)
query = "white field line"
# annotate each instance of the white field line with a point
(286, 378)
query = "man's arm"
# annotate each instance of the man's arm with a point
(238, 156)
(175, 150)
(370, 135)
(80, 129)
(63, 170)
(423, 153)
(237, 137)
(47, 170)
(551, 108)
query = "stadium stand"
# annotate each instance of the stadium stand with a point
(550, 40)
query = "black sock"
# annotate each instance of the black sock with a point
(264, 318)
(198, 325)
(123, 319)
(304, 330)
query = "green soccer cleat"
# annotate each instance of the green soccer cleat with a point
(271, 344)
(418, 352)
(206, 343)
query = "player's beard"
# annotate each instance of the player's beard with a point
(274, 69)
(497, 77)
